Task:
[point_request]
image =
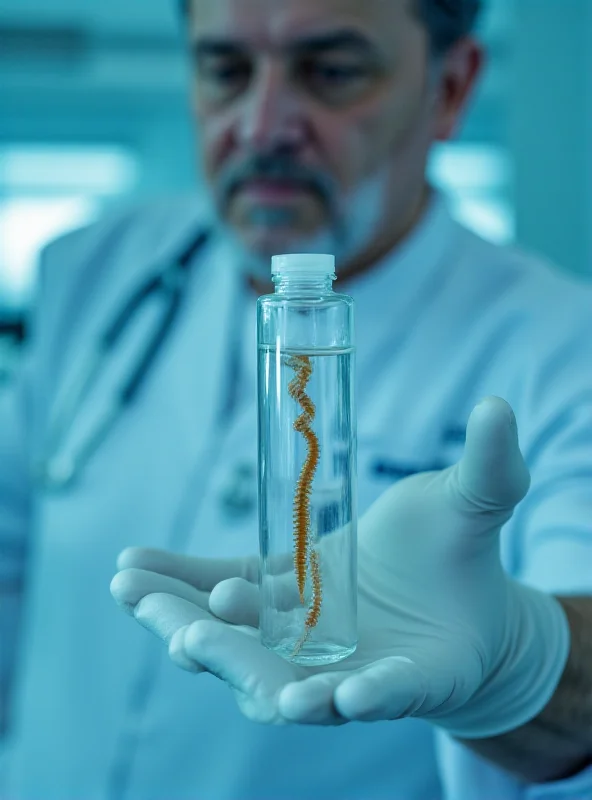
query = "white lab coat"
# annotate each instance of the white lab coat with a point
(98, 711)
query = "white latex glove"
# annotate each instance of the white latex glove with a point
(444, 633)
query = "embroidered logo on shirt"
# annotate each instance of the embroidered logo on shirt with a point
(396, 470)
(455, 434)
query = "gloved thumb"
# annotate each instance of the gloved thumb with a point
(492, 474)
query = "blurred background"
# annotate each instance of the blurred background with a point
(93, 111)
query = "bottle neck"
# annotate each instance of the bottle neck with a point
(303, 283)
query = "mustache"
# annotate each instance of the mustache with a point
(278, 167)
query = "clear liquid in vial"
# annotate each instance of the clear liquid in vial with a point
(332, 517)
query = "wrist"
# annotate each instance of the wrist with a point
(523, 678)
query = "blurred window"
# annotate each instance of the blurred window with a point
(45, 191)
(478, 180)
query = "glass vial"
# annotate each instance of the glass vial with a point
(307, 464)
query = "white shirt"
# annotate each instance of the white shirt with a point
(98, 711)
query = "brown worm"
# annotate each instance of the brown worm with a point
(314, 611)
(304, 554)
(297, 390)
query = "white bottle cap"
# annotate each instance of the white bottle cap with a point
(299, 263)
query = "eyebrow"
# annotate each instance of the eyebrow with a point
(326, 42)
(337, 40)
(216, 47)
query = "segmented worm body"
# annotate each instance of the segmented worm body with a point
(305, 556)
(314, 612)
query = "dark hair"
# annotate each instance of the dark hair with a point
(446, 21)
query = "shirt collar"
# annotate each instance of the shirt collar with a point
(391, 297)
(408, 265)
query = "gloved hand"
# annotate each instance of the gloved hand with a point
(444, 633)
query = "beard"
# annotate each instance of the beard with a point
(351, 221)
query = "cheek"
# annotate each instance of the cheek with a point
(209, 145)
(214, 142)
(359, 144)
(213, 135)
(342, 147)
(391, 132)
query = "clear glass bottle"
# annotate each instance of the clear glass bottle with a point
(307, 464)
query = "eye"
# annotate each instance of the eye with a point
(334, 81)
(335, 74)
(225, 71)
(221, 77)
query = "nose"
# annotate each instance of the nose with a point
(272, 114)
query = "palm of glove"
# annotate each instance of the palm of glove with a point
(431, 598)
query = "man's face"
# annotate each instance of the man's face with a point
(315, 118)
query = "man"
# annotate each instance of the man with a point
(315, 122)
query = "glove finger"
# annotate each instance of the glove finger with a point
(391, 688)
(129, 586)
(310, 702)
(178, 655)
(236, 657)
(492, 474)
(164, 614)
(202, 573)
(238, 601)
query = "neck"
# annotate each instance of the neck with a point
(392, 235)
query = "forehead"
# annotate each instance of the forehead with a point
(276, 23)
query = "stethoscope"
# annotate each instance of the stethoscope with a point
(58, 469)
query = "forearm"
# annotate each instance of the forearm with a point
(557, 743)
